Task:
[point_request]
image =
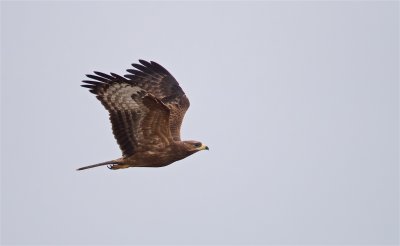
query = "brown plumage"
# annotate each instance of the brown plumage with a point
(146, 110)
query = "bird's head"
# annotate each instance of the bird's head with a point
(194, 146)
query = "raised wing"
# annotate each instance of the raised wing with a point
(155, 79)
(140, 121)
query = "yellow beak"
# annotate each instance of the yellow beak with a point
(203, 147)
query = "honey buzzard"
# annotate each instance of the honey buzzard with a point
(146, 110)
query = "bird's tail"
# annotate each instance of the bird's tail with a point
(111, 163)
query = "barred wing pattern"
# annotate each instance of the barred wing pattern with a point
(140, 121)
(155, 79)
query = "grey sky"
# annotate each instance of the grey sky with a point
(298, 102)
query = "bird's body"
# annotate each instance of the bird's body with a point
(146, 110)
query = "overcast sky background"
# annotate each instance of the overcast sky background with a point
(298, 102)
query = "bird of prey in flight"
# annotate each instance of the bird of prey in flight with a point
(146, 109)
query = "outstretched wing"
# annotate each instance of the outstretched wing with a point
(140, 121)
(155, 79)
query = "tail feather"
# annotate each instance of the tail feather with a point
(98, 165)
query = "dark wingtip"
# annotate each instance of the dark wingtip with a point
(130, 76)
(92, 82)
(107, 76)
(159, 68)
(138, 66)
(145, 63)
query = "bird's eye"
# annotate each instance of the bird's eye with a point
(197, 145)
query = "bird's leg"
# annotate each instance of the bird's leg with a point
(117, 166)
